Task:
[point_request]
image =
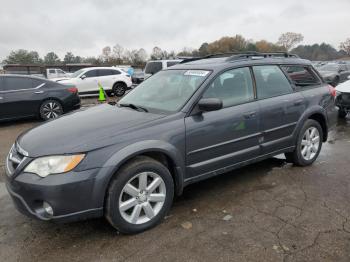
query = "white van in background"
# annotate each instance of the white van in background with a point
(56, 73)
(155, 66)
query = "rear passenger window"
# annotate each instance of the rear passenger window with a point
(301, 75)
(233, 87)
(271, 82)
(17, 83)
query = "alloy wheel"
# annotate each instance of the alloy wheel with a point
(142, 198)
(52, 110)
(310, 143)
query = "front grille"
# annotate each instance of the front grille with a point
(14, 159)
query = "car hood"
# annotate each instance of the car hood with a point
(344, 87)
(83, 131)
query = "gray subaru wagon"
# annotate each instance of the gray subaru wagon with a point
(198, 119)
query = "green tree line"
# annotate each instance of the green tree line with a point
(118, 55)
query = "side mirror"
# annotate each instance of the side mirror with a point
(209, 104)
(83, 77)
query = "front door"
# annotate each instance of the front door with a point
(219, 140)
(88, 84)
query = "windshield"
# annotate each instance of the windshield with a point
(329, 67)
(166, 91)
(77, 73)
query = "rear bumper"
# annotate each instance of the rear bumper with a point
(72, 103)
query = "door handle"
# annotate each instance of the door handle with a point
(298, 103)
(249, 115)
(38, 92)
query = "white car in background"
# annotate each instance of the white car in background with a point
(343, 98)
(112, 79)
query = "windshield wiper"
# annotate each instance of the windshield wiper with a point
(135, 107)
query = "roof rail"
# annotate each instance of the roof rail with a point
(261, 55)
(208, 56)
(232, 56)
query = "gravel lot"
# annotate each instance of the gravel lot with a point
(271, 211)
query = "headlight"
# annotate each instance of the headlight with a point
(48, 165)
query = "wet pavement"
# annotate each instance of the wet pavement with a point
(270, 211)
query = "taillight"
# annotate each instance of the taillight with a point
(73, 90)
(332, 91)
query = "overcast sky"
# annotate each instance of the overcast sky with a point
(85, 27)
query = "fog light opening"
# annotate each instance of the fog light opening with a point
(48, 209)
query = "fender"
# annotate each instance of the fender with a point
(130, 151)
(316, 109)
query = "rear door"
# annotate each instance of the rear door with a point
(107, 77)
(280, 105)
(23, 96)
(218, 140)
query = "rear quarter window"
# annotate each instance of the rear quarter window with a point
(301, 76)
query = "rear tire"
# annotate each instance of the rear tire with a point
(119, 89)
(139, 195)
(50, 109)
(309, 144)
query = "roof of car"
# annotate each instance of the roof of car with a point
(24, 76)
(218, 62)
(101, 67)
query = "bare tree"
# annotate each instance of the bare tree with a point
(106, 53)
(157, 53)
(118, 53)
(345, 46)
(289, 40)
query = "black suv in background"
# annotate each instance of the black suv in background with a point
(28, 96)
(195, 120)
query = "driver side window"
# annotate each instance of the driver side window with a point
(233, 87)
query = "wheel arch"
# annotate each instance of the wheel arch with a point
(161, 151)
(318, 114)
(51, 98)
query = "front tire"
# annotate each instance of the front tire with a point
(309, 144)
(50, 109)
(119, 89)
(139, 196)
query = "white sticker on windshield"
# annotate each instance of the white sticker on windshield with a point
(196, 73)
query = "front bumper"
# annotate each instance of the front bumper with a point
(343, 100)
(72, 196)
